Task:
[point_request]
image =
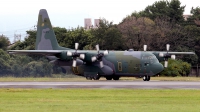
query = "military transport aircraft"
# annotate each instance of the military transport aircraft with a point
(95, 64)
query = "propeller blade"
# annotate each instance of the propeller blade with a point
(97, 48)
(76, 46)
(105, 52)
(167, 47)
(82, 56)
(101, 64)
(94, 58)
(74, 63)
(145, 47)
(173, 57)
(166, 64)
(69, 53)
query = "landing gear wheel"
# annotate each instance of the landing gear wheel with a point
(109, 78)
(89, 78)
(115, 77)
(146, 78)
(96, 78)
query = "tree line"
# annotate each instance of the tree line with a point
(157, 25)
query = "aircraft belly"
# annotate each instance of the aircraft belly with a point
(133, 74)
(89, 68)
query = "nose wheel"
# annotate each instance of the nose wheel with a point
(146, 78)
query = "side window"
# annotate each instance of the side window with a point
(120, 66)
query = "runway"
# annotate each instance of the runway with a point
(105, 84)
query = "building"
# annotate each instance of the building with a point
(96, 23)
(186, 17)
(87, 23)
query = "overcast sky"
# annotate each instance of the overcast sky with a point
(17, 16)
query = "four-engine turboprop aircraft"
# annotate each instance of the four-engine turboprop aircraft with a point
(96, 64)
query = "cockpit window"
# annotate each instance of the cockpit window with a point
(150, 58)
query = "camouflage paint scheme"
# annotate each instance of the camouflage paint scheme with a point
(116, 63)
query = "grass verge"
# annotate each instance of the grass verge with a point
(59, 78)
(98, 100)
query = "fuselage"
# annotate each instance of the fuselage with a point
(119, 63)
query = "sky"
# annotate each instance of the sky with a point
(18, 16)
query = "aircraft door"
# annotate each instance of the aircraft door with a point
(122, 67)
(147, 60)
(119, 66)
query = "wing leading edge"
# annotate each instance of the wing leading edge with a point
(38, 52)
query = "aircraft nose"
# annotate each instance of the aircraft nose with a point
(157, 68)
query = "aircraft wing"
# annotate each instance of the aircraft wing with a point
(38, 52)
(162, 55)
(173, 53)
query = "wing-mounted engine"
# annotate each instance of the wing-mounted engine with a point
(166, 56)
(163, 56)
(69, 55)
(99, 56)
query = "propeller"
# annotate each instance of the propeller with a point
(145, 47)
(167, 56)
(99, 56)
(75, 55)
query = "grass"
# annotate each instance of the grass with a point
(98, 100)
(59, 78)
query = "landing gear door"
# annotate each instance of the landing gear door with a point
(75, 70)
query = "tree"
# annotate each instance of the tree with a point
(107, 36)
(195, 15)
(192, 43)
(28, 43)
(192, 26)
(176, 68)
(37, 69)
(77, 35)
(4, 42)
(171, 9)
(136, 31)
(4, 63)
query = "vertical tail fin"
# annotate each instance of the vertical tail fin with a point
(46, 39)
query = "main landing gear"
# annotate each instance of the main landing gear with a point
(146, 78)
(95, 77)
(112, 77)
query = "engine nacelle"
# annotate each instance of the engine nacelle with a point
(64, 56)
(107, 70)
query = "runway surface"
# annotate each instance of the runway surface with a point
(105, 84)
